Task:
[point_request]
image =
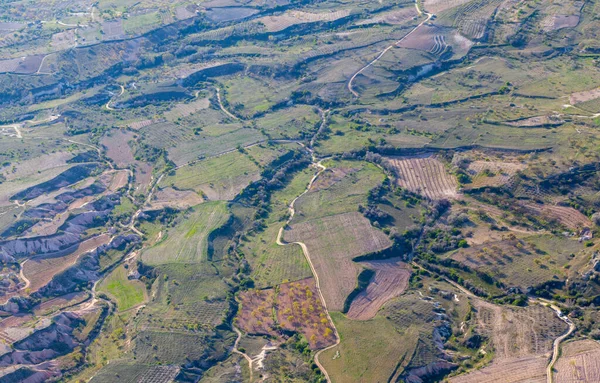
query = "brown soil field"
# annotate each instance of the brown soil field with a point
(521, 338)
(531, 369)
(140, 124)
(390, 280)
(179, 199)
(44, 228)
(518, 332)
(436, 6)
(556, 22)
(427, 38)
(579, 362)
(424, 175)
(332, 243)
(536, 121)
(586, 95)
(40, 271)
(299, 309)
(500, 173)
(255, 313)
(568, 216)
(393, 17)
(60, 302)
(279, 23)
(117, 147)
(119, 180)
(296, 307)
(184, 110)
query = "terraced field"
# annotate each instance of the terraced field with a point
(425, 175)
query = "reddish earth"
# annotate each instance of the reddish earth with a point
(299, 309)
(255, 315)
(293, 306)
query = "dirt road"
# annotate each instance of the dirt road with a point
(237, 351)
(380, 55)
(109, 101)
(321, 168)
(222, 107)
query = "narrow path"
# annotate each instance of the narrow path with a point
(42, 64)
(222, 107)
(109, 101)
(280, 242)
(557, 341)
(530, 300)
(22, 275)
(237, 351)
(429, 16)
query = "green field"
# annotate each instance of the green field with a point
(221, 177)
(127, 293)
(347, 186)
(187, 242)
(369, 350)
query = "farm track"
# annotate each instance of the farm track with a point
(237, 351)
(322, 168)
(109, 101)
(218, 91)
(555, 344)
(382, 53)
(557, 341)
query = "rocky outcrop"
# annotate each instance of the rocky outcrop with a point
(49, 343)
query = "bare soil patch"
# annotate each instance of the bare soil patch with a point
(492, 173)
(424, 175)
(579, 362)
(521, 338)
(137, 125)
(390, 280)
(568, 216)
(531, 369)
(40, 271)
(281, 22)
(586, 95)
(332, 243)
(119, 180)
(255, 313)
(436, 6)
(556, 22)
(532, 122)
(175, 198)
(117, 147)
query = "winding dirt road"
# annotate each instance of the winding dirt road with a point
(321, 168)
(380, 55)
(223, 107)
(557, 341)
(237, 351)
(109, 101)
